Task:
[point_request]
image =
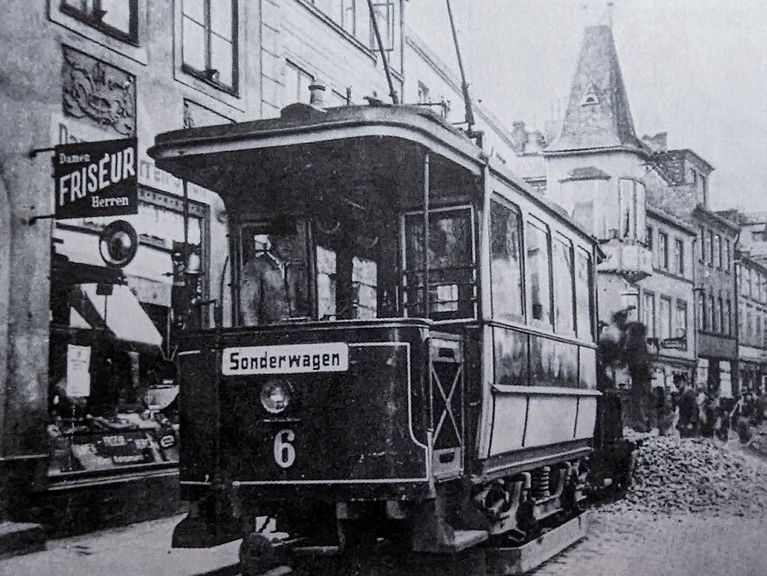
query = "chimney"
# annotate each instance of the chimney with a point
(658, 142)
(317, 94)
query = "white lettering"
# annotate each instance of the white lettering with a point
(63, 188)
(92, 178)
(115, 169)
(129, 168)
(103, 181)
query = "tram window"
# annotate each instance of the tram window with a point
(511, 357)
(273, 279)
(347, 277)
(583, 295)
(506, 262)
(564, 318)
(539, 264)
(451, 269)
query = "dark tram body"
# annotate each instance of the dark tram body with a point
(437, 397)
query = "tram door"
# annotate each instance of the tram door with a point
(441, 285)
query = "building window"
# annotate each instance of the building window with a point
(118, 18)
(727, 328)
(709, 249)
(701, 311)
(209, 45)
(758, 328)
(297, 82)
(663, 250)
(747, 283)
(665, 318)
(679, 256)
(649, 237)
(726, 255)
(353, 16)
(680, 330)
(423, 93)
(717, 256)
(632, 223)
(648, 313)
(749, 326)
(718, 316)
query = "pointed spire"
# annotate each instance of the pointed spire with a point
(598, 114)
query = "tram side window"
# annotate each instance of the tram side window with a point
(539, 265)
(506, 262)
(564, 318)
(274, 280)
(451, 267)
(583, 295)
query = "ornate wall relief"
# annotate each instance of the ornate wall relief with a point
(98, 92)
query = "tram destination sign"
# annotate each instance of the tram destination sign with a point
(286, 359)
(96, 179)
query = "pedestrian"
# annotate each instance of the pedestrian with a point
(688, 411)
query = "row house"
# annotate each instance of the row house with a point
(752, 323)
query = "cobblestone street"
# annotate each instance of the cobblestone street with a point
(681, 545)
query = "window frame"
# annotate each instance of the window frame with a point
(538, 224)
(206, 75)
(402, 286)
(514, 209)
(96, 22)
(649, 312)
(663, 248)
(681, 319)
(568, 245)
(667, 316)
(679, 267)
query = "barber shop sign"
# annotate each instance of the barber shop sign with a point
(96, 178)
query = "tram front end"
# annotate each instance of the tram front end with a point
(291, 422)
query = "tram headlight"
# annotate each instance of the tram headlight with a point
(275, 396)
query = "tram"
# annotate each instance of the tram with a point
(414, 360)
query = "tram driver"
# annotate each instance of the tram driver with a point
(264, 286)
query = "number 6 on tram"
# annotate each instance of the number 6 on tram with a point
(411, 353)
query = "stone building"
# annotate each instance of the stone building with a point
(667, 305)
(595, 171)
(687, 196)
(752, 322)
(96, 71)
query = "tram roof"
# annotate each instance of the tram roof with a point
(211, 155)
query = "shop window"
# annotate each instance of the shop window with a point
(648, 313)
(297, 82)
(584, 295)
(117, 18)
(451, 264)
(678, 257)
(663, 250)
(564, 296)
(506, 262)
(209, 41)
(539, 271)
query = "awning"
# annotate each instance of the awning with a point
(120, 312)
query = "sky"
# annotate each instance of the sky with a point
(696, 69)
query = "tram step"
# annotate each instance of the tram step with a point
(464, 539)
(519, 560)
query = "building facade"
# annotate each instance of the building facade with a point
(90, 72)
(667, 305)
(752, 323)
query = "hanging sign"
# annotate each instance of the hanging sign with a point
(78, 371)
(96, 178)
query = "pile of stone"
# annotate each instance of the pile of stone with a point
(696, 475)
